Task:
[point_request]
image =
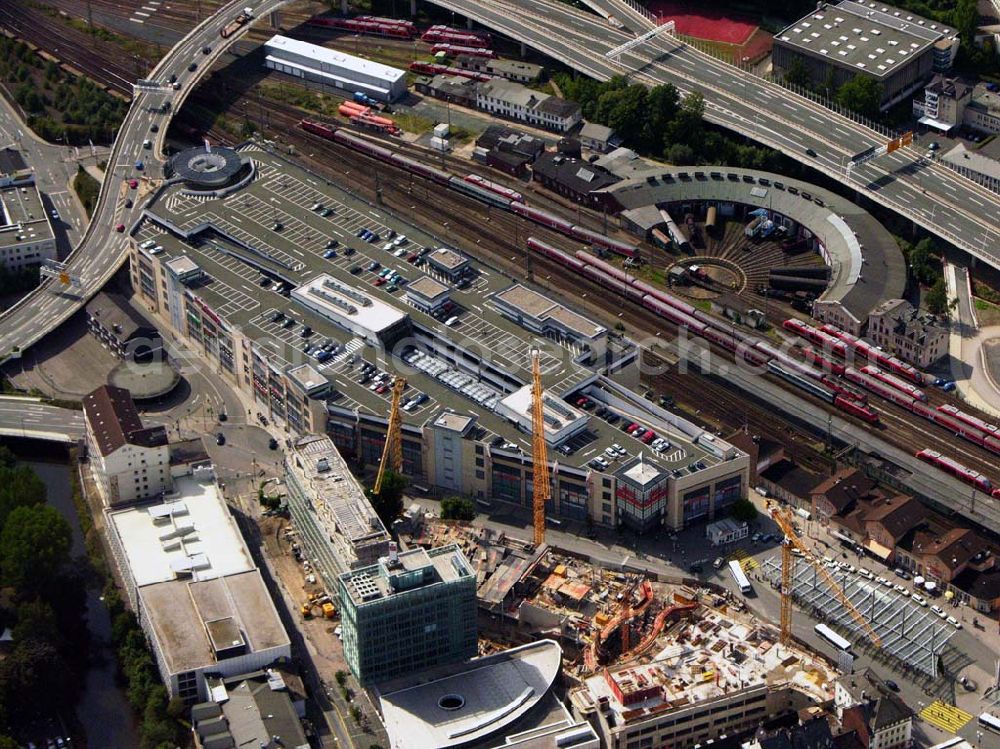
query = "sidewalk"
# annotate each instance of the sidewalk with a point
(968, 368)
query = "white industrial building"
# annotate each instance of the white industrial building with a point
(356, 311)
(338, 70)
(129, 462)
(193, 585)
(26, 236)
(562, 420)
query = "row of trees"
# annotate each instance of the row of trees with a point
(42, 601)
(60, 107)
(659, 122)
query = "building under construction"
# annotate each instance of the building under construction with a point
(709, 676)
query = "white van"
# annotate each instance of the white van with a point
(451, 321)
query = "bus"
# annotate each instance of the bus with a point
(988, 720)
(742, 582)
(832, 637)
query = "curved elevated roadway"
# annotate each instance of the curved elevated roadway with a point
(933, 196)
(103, 250)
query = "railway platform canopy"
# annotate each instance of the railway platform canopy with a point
(914, 635)
(867, 266)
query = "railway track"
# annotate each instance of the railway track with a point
(76, 51)
(402, 192)
(465, 218)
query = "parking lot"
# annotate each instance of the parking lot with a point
(287, 226)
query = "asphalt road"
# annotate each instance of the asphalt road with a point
(54, 168)
(27, 417)
(103, 249)
(932, 195)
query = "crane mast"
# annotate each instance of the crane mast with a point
(787, 564)
(539, 451)
(392, 452)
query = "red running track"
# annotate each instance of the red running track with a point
(704, 22)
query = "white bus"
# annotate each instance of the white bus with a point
(740, 577)
(832, 637)
(988, 720)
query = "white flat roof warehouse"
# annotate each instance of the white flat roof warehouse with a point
(191, 531)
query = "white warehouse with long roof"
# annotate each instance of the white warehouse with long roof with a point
(335, 69)
(194, 588)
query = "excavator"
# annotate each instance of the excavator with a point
(320, 601)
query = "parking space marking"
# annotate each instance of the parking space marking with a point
(236, 300)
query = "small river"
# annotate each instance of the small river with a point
(103, 710)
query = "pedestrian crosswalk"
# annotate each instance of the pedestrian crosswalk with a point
(946, 717)
(746, 561)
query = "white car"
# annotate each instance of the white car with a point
(400, 240)
(954, 622)
(610, 453)
(919, 600)
(619, 449)
(939, 611)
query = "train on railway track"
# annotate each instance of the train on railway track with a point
(962, 473)
(753, 350)
(480, 190)
(373, 25)
(825, 379)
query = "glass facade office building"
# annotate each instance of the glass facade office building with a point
(408, 612)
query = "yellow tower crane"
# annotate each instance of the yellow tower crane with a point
(787, 563)
(392, 453)
(539, 451)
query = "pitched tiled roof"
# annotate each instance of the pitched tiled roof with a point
(115, 422)
(898, 514)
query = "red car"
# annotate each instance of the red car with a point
(381, 389)
(133, 183)
(648, 437)
(632, 427)
(120, 228)
(412, 257)
(379, 281)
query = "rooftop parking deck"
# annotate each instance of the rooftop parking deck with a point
(257, 244)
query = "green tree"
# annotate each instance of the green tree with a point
(458, 508)
(7, 458)
(861, 94)
(797, 74)
(937, 297)
(680, 154)
(34, 547)
(388, 504)
(744, 511)
(19, 487)
(923, 263)
(33, 674)
(36, 620)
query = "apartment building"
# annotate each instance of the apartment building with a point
(513, 101)
(129, 462)
(867, 706)
(898, 328)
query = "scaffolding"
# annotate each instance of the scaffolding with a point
(914, 635)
